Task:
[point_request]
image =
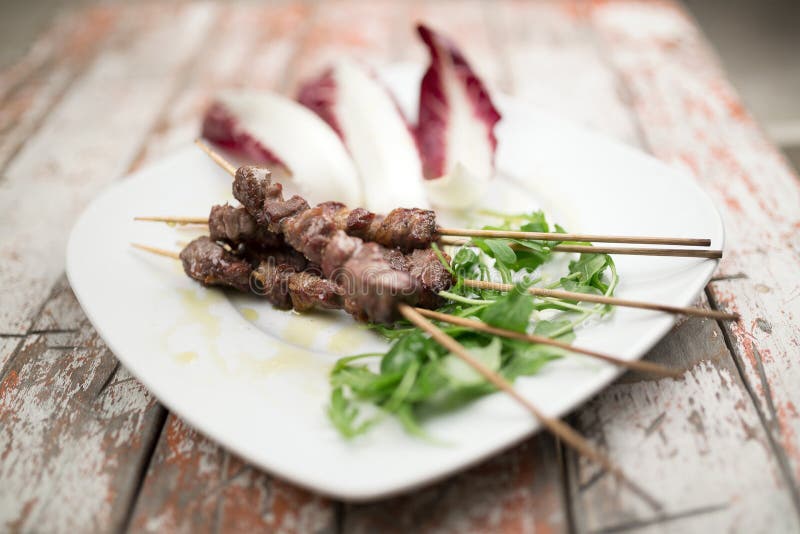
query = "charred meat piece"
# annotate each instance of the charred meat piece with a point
(403, 228)
(284, 255)
(276, 210)
(211, 265)
(372, 287)
(310, 290)
(270, 280)
(310, 230)
(234, 225)
(250, 186)
(425, 267)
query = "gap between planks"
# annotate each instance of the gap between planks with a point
(780, 453)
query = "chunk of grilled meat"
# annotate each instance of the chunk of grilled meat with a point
(235, 226)
(283, 255)
(286, 288)
(210, 264)
(403, 228)
(372, 287)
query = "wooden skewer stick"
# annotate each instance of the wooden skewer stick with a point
(602, 299)
(173, 220)
(634, 251)
(155, 250)
(217, 157)
(553, 236)
(473, 324)
(641, 251)
(560, 429)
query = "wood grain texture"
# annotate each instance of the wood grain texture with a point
(89, 139)
(30, 88)
(364, 31)
(557, 66)
(251, 46)
(692, 436)
(517, 491)
(75, 432)
(194, 486)
(679, 438)
(691, 117)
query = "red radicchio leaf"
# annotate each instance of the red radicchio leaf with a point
(270, 129)
(222, 127)
(457, 118)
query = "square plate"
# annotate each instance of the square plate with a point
(255, 379)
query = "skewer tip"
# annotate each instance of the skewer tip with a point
(159, 251)
(214, 155)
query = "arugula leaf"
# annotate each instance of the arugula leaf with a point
(536, 223)
(404, 352)
(457, 371)
(577, 287)
(466, 262)
(365, 384)
(343, 414)
(548, 328)
(588, 266)
(511, 311)
(499, 249)
(529, 360)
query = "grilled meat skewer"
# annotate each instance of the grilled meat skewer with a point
(236, 227)
(284, 278)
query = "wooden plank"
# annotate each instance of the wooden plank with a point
(30, 87)
(563, 62)
(8, 347)
(521, 489)
(364, 31)
(696, 442)
(468, 26)
(192, 484)
(692, 118)
(195, 486)
(556, 65)
(74, 434)
(76, 431)
(88, 139)
(517, 491)
(251, 48)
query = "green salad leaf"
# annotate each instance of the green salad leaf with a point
(417, 378)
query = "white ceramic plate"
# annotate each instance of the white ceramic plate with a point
(255, 379)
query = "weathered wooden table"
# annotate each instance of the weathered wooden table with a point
(83, 446)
